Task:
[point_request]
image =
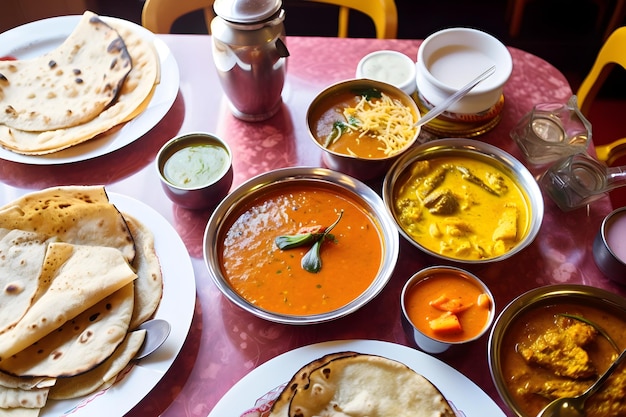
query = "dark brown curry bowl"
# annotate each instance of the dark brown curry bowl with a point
(270, 281)
(435, 193)
(325, 116)
(195, 170)
(522, 381)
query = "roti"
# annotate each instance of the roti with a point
(80, 344)
(21, 258)
(367, 385)
(73, 279)
(81, 215)
(134, 97)
(149, 282)
(68, 86)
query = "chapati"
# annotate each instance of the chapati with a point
(367, 385)
(149, 282)
(74, 278)
(68, 86)
(79, 345)
(21, 259)
(80, 215)
(134, 97)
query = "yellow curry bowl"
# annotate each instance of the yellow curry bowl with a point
(553, 342)
(281, 245)
(463, 201)
(362, 126)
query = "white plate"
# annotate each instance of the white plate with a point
(466, 396)
(36, 38)
(177, 307)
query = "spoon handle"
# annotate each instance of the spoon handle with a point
(437, 110)
(596, 385)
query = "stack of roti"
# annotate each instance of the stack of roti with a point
(77, 277)
(100, 77)
(359, 385)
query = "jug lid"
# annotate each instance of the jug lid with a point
(246, 11)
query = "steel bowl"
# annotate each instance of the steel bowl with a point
(608, 246)
(359, 167)
(204, 195)
(422, 340)
(343, 184)
(551, 295)
(472, 149)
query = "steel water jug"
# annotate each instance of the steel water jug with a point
(250, 55)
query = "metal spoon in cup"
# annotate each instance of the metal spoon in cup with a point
(443, 106)
(575, 406)
(157, 330)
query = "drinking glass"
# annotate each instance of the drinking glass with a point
(552, 131)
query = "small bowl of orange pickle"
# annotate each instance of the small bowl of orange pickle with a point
(444, 306)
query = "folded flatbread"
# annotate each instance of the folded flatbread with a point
(81, 215)
(21, 259)
(74, 278)
(69, 85)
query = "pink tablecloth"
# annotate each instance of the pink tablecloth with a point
(225, 343)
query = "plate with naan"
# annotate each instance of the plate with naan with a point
(88, 266)
(465, 397)
(55, 107)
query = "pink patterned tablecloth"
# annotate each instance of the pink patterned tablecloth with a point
(225, 343)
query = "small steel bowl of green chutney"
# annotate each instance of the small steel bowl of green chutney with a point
(195, 170)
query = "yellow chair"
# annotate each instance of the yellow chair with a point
(612, 52)
(159, 15)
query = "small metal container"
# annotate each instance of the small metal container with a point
(202, 194)
(423, 341)
(359, 167)
(609, 248)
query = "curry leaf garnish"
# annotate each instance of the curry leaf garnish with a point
(312, 261)
(294, 241)
(369, 93)
(339, 128)
(595, 326)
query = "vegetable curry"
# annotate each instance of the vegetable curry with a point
(461, 207)
(273, 278)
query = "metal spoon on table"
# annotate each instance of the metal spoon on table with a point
(575, 406)
(157, 330)
(443, 106)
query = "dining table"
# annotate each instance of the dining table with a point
(225, 343)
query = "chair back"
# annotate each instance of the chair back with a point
(612, 53)
(383, 13)
(159, 15)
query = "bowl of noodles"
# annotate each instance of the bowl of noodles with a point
(362, 126)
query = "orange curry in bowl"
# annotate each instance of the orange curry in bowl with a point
(555, 350)
(274, 279)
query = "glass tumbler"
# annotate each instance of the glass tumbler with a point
(552, 131)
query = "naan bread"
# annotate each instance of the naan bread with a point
(68, 86)
(21, 259)
(101, 375)
(133, 98)
(79, 345)
(81, 215)
(149, 282)
(367, 385)
(74, 278)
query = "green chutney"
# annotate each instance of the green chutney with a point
(196, 165)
